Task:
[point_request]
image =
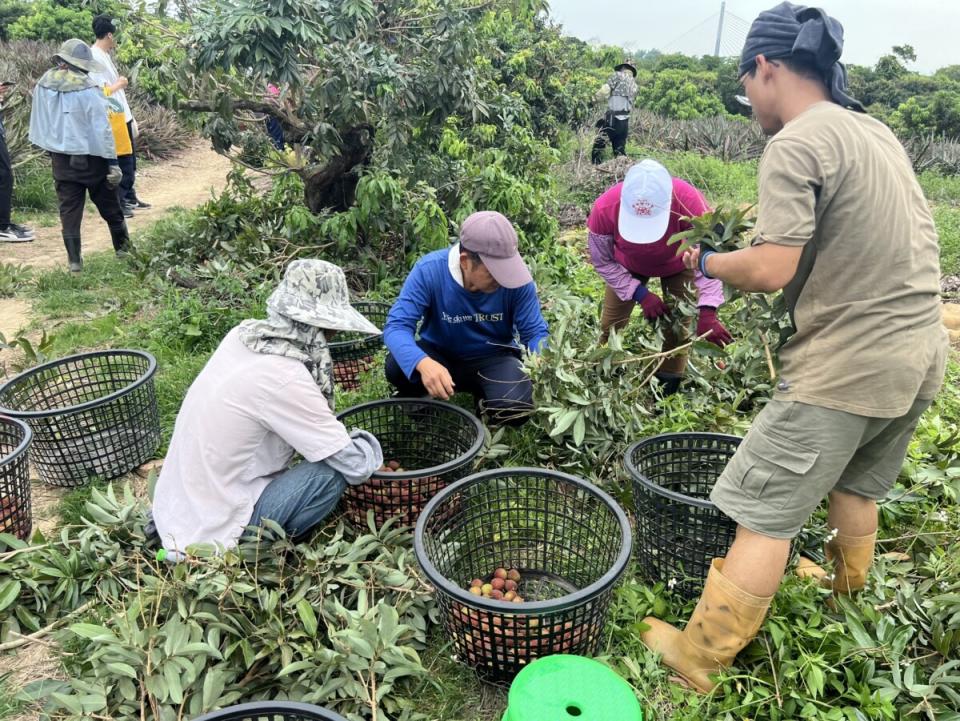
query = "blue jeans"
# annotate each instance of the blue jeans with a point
(300, 498)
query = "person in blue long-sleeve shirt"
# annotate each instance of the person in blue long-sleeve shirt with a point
(476, 300)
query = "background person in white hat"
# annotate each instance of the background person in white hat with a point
(628, 230)
(266, 393)
(473, 299)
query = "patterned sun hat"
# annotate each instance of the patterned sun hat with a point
(77, 53)
(315, 292)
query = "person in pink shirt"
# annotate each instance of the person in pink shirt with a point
(628, 230)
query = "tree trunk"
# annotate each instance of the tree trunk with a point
(334, 185)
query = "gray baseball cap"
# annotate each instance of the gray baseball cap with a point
(315, 292)
(491, 236)
(77, 53)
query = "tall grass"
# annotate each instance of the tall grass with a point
(33, 186)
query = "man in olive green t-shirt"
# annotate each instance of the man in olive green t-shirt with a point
(844, 230)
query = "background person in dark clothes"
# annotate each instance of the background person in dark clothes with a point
(104, 29)
(615, 124)
(474, 299)
(9, 232)
(68, 119)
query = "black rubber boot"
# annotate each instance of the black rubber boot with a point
(74, 261)
(121, 240)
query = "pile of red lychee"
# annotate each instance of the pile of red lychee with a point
(388, 497)
(503, 586)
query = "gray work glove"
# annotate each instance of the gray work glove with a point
(114, 176)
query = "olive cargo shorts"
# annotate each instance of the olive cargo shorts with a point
(795, 454)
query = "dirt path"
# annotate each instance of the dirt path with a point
(184, 182)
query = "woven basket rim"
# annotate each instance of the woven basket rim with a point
(16, 380)
(259, 709)
(642, 479)
(437, 470)
(588, 593)
(24, 441)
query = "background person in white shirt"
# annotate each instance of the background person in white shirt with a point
(104, 29)
(266, 393)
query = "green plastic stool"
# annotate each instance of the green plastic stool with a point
(570, 688)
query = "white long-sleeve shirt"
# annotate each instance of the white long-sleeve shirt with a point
(240, 424)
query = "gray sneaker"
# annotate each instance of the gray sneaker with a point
(13, 233)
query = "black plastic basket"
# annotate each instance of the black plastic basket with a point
(272, 711)
(434, 443)
(15, 516)
(92, 415)
(353, 353)
(569, 541)
(679, 530)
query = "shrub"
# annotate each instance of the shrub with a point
(47, 21)
(681, 94)
(10, 12)
(146, 54)
(938, 114)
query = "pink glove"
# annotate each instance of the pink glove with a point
(710, 324)
(653, 307)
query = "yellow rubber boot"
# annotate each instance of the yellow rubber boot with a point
(725, 620)
(851, 556)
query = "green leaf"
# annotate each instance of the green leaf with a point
(123, 669)
(564, 422)
(307, 616)
(213, 684)
(579, 429)
(9, 592)
(859, 633)
(296, 666)
(93, 632)
(172, 675)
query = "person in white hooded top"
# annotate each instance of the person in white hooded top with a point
(264, 395)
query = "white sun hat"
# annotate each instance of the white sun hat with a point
(645, 202)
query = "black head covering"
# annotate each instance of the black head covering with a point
(787, 30)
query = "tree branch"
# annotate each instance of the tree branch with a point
(257, 106)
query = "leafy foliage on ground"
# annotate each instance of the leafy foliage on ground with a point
(343, 619)
(337, 622)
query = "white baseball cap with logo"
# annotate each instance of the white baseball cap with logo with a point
(645, 201)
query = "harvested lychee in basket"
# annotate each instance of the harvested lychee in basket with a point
(426, 444)
(524, 561)
(353, 352)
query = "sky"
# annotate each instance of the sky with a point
(871, 27)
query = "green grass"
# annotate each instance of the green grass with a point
(9, 705)
(72, 505)
(721, 183)
(940, 188)
(947, 220)
(33, 187)
(105, 285)
(451, 691)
